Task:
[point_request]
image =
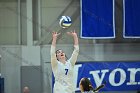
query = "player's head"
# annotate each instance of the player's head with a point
(85, 85)
(26, 90)
(60, 55)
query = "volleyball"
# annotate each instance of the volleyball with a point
(65, 22)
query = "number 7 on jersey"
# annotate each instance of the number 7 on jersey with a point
(66, 71)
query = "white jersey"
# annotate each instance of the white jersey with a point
(63, 73)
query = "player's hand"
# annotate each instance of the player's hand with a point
(72, 33)
(55, 35)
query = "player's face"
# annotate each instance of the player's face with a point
(60, 54)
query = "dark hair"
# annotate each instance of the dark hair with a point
(56, 55)
(86, 84)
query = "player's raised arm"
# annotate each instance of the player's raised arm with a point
(75, 53)
(53, 46)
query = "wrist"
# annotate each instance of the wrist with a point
(54, 38)
(75, 36)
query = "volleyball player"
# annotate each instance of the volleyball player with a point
(63, 68)
(86, 86)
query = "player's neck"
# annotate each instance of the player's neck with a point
(63, 61)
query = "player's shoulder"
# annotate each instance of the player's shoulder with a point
(59, 63)
(68, 62)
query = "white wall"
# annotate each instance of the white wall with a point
(30, 56)
(10, 68)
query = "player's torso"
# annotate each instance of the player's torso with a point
(64, 77)
(64, 70)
